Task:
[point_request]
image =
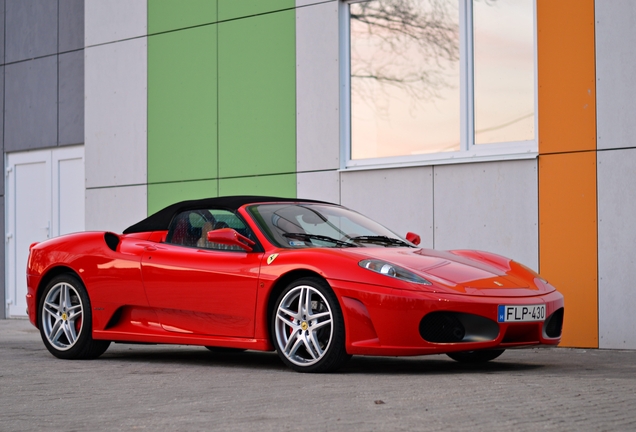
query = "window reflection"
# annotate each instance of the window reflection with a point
(405, 95)
(504, 70)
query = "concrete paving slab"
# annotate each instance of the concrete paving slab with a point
(180, 388)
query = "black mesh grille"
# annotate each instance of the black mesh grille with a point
(441, 327)
(554, 324)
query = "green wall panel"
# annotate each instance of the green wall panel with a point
(163, 194)
(231, 9)
(257, 95)
(283, 185)
(182, 105)
(165, 15)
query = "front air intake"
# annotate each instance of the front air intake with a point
(554, 324)
(442, 327)
(453, 327)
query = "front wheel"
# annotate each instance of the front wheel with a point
(475, 356)
(65, 320)
(308, 327)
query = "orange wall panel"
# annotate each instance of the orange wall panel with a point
(566, 75)
(568, 240)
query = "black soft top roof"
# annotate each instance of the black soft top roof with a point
(160, 221)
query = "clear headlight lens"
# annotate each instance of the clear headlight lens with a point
(392, 270)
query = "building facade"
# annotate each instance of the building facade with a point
(148, 102)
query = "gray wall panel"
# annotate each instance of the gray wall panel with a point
(116, 110)
(401, 198)
(321, 185)
(489, 206)
(114, 20)
(71, 25)
(615, 71)
(31, 29)
(2, 31)
(71, 98)
(616, 248)
(312, 2)
(31, 104)
(104, 207)
(317, 88)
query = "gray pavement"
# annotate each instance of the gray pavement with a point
(180, 388)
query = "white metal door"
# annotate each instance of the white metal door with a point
(44, 198)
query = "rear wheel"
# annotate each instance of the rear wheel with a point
(65, 320)
(308, 327)
(482, 356)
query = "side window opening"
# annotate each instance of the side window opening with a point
(191, 227)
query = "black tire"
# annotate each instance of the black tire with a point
(224, 350)
(65, 320)
(474, 357)
(303, 349)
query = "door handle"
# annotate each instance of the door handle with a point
(150, 248)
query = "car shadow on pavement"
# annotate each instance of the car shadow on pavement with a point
(254, 360)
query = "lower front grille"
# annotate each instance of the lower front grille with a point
(442, 327)
(554, 324)
(452, 327)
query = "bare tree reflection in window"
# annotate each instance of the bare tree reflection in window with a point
(412, 41)
(404, 77)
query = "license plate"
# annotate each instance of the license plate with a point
(521, 313)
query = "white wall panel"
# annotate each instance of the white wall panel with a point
(489, 206)
(115, 209)
(113, 20)
(317, 87)
(313, 2)
(401, 198)
(322, 185)
(616, 248)
(115, 113)
(615, 71)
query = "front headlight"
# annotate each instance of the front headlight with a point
(392, 270)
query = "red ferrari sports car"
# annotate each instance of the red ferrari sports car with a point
(314, 281)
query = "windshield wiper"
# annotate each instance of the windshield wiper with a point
(383, 240)
(310, 237)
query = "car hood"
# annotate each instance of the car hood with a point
(450, 272)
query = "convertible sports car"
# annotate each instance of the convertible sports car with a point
(312, 280)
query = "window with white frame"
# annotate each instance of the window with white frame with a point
(441, 80)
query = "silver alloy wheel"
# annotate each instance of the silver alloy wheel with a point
(62, 314)
(304, 325)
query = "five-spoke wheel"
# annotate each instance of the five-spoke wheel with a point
(64, 320)
(308, 328)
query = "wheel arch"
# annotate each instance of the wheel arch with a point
(48, 277)
(278, 287)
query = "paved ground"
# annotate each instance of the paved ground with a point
(188, 388)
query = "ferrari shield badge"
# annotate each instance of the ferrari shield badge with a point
(271, 258)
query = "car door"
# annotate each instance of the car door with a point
(202, 288)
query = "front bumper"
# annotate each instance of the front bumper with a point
(386, 321)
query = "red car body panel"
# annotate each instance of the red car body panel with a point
(151, 291)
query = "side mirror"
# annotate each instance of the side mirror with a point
(413, 238)
(230, 237)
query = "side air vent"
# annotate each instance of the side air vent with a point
(554, 324)
(453, 327)
(112, 240)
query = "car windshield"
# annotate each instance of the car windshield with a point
(320, 225)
